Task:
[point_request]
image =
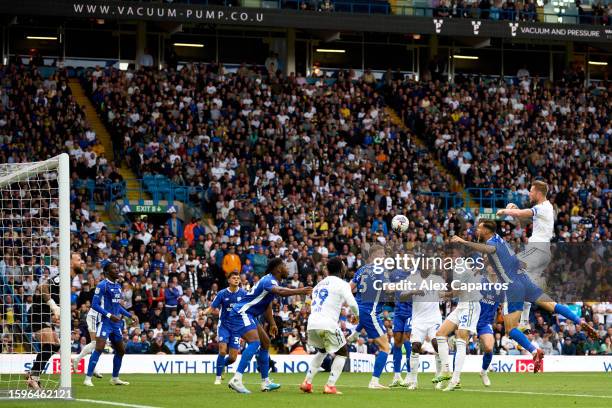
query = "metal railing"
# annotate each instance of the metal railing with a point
(157, 188)
(153, 188)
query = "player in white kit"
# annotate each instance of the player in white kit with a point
(463, 321)
(324, 332)
(426, 320)
(536, 256)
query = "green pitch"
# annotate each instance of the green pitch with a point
(508, 390)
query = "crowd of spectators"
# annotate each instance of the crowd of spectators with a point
(299, 170)
(504, 135)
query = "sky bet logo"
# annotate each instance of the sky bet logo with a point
(519, 366)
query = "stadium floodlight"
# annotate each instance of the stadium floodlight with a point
(35, 220)
(191, 45)
(330, 50)
(41, 37)
(465, 57)
(599, 63)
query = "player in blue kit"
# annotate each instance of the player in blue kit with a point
(242, 322)
(484, 328)
(223, 302)
(402, 326)
(106, 301)
(520, 287)
(370, 307)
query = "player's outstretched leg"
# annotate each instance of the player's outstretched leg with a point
(566, 312)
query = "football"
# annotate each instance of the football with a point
(400, 223)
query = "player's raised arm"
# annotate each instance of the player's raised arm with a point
(517, 212)
(476, 246)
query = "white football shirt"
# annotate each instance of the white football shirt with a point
(543, 222)
(426, 307)
(327, 299)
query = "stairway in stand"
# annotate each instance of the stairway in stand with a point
(102, 134)
(456, 186)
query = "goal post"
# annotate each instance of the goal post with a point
(34, 248)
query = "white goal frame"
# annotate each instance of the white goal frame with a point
(61, 164)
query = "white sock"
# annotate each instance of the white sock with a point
(460, 352)
(87, 378)
(336, 370)
(238, 376)
(397, 376)
(443, 353)
(315, 364)
(438, 365)
(525, 315)
(115, 378)
(88, 349)
(414, 366)
(218, 377)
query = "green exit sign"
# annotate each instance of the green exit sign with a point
(150, 209)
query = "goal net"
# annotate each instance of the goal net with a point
(34, 268)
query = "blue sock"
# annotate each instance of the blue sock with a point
(486, 360)
(263, 362)
(117, 365)
(408, 348)
(247, 356)
(93, 361)
(567, 313)
(520, 338)
(220, 364)
(379, 363)
(397, 358)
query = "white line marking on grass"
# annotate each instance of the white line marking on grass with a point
(117, 404)
(547, 394)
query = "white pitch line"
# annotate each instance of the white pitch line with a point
(548, 394)
(117, 404)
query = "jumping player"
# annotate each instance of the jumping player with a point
(536, 256)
